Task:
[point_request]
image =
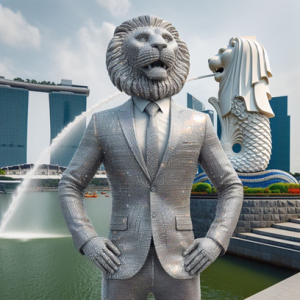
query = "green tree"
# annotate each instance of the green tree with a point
(18, 79)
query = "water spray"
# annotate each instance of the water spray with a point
(22, 188)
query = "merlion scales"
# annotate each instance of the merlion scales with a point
(150, 147)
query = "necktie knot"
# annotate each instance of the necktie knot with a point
(152, 109)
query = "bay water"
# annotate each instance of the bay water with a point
(39, 261)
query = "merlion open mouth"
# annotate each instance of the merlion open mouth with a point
(218, 70)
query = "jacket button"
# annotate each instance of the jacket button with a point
(153, 189)
(153, 215)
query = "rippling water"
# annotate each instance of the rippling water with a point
(52, 269)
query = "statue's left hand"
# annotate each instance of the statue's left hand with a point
(200, 254)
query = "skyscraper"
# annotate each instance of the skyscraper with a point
(13, 125)
(280, 130)
(194, 103)
(66, 102)
(64, 107)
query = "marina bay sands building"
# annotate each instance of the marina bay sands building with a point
(66, 101)
(13, 125)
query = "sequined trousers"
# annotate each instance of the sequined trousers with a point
(152, 278)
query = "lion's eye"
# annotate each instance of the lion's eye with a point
(222, 50)
(142, 38)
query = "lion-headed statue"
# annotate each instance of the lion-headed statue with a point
(147, 59)
(242, 70)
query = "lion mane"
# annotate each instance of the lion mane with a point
(131, 80)
(247, 78)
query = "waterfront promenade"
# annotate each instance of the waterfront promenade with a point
(288, 289)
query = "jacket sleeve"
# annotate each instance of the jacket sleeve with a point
(75, 179)
(219, 170)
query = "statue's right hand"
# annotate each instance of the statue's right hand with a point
(103, 253)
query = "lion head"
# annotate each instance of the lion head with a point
(147, 59)
(242, 69)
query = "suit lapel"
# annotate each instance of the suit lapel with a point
(126, 119)
(176, 125)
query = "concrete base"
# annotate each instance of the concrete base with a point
(278, 245)
(288, 289)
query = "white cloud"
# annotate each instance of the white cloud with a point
(116, 7)
(83, 60)
(7, 68)
(15, 31)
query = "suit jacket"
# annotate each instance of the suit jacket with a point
(142, 208)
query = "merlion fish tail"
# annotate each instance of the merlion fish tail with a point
(251, 131)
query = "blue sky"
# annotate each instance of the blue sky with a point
(51, 40)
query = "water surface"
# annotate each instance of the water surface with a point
(51, 268)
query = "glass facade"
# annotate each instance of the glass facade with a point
(280, 130)
(195, 104)
(64, 107)
(13, 126)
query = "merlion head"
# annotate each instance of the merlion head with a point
(147, 59)
(242, 69)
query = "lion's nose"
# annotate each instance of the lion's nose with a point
(158, 42)
(159, 46)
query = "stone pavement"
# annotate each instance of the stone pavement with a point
(288, 289)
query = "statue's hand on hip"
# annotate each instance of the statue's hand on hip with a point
(103, 253)
(200, 254)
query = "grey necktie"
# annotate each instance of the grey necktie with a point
(152, 149)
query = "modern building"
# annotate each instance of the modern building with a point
(64, 107)
(280, 130)
(13, 125)
(196, 104)
(66, 101)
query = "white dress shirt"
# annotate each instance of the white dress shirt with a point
(141, 119)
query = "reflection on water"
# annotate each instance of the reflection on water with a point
(51, 268)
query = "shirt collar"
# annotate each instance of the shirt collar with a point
(141, 104)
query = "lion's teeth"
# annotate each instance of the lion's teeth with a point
(149, 67)
(165, 67)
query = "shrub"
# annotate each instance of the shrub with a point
(254, 190)
(294, 191)
(201, 187)
(294, 186)
(275, 191)
(282, 187)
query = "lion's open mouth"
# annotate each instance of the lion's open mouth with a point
(218, 70)
(156, 64)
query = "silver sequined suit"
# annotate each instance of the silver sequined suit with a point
(142, 208)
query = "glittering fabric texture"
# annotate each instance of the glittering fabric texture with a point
(151, 278)
(142, 207)
(152, 149)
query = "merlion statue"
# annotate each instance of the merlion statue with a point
(242, 70)
(150, 147)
